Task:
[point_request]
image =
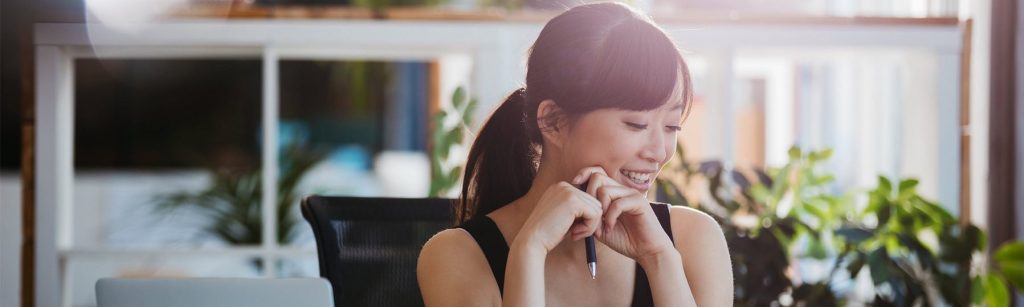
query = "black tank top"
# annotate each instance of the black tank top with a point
(488, 236)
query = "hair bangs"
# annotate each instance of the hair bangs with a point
(638, 69)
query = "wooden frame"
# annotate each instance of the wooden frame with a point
(1002, 180)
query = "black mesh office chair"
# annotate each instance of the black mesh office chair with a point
(368, 246)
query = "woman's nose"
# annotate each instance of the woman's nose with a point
(654, 149)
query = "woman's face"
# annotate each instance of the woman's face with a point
(631, 146)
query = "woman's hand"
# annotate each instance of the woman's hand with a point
(562, 210)
(629, 225)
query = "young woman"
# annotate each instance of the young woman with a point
(606, 92)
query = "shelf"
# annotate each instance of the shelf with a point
(355, 253)
(221, 11)
(185, 252)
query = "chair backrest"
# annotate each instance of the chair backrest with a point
(213, 292)
(368, 246)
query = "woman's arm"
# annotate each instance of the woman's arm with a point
(705, 256)
(552, 218)
(453, 271)
(524, 275)
(666, 277)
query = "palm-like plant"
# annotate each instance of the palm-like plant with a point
(232, 201)
(445, 137)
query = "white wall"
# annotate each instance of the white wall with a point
(10, 239)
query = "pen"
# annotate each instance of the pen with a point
(591, 249)
(591, 257)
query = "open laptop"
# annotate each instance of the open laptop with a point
(213, 292)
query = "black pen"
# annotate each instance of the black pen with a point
(591, 248)
(591, 257)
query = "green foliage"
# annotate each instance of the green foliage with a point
(763, 214)
(903, 267)
(917, 254)
(1009, 269)
(233, 200)
(443, 179)
(1010, 261)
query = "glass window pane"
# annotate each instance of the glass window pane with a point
(166, 153)
(308, 266)
(352, 128)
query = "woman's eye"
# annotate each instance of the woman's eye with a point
(636, 126)
(674, 128)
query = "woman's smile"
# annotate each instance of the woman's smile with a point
(639, 180)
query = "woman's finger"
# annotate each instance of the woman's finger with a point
(612, 194)
(584, 174)
(590, 212)
(591, 222)
(595, 182)
(627, 204)
(606, 193)
(598, 181)
(608, 190)
(577, 228)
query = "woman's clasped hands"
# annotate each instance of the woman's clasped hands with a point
(618, 216)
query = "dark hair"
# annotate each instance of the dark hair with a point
(591, 57)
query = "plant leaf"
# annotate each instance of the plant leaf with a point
(794, 153)
(878, 262)
(825, 154)
(816, 249)
(996, 292)
(823, 180)
(907, 187)
(855, 265)
(1010, 260)
(467, 113)
(854, 235)
(458, 97)
(884, 186)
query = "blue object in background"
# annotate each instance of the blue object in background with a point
(350, 156)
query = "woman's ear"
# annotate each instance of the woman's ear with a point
(552, 123)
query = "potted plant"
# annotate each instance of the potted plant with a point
(777, 218)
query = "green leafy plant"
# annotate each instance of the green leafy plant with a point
(232, 201)
(763, 213)
(449, 129)
(915, 251)
(1008, 270)
(886, 238)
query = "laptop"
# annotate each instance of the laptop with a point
(213, 292)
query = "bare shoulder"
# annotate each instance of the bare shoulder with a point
(690, 224)
(453, 271)
(706, 260)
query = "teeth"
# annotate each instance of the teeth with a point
(639, 178)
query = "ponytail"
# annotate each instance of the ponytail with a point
(502, 161)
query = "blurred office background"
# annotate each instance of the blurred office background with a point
(159, 121)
